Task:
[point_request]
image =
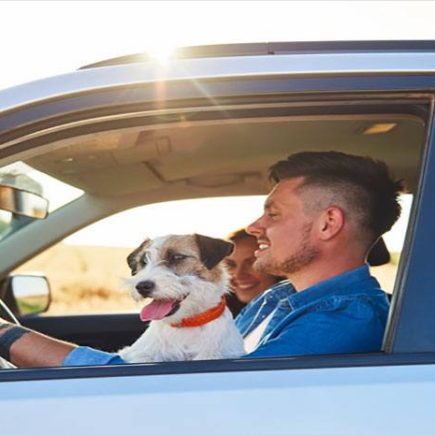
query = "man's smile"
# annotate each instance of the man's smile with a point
(262, 246)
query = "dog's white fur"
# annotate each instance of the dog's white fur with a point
(199, 289)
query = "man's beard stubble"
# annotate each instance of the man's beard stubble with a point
(296, 262)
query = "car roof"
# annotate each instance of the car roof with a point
(238, 60)
(273, 48)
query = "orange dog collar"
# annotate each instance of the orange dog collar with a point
(202, 318)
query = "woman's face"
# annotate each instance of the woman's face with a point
(245, 281)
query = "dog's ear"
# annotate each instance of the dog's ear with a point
(134, 257)
(132, 261)
(212, 251)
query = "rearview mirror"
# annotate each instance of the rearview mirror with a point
(30, 294)
(23, 202)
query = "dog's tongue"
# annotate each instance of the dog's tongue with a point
(156, 310)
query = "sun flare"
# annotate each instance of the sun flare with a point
(161, 52)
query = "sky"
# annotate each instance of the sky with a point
(47, 38)
(41, 39)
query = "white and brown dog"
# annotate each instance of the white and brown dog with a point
(187, 283)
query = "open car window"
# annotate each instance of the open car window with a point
(171, 160)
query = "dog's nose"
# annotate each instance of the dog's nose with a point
(145, 288)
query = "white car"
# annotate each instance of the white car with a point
(128, 132)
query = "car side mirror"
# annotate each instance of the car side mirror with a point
(28, 294)
(23, 202)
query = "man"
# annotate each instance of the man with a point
(324, 214)
(321, 219)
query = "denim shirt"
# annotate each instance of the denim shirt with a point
(344, 314)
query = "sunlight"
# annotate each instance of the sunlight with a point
(161, 52)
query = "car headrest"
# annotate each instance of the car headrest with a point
(379, 254)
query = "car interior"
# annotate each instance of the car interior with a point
(186, 153)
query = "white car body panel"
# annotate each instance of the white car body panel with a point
(371, 400)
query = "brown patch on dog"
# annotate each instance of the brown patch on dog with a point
(135, 259)
(183, 255)
(212, 250)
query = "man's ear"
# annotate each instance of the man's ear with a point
(212, 251)
(330, 222)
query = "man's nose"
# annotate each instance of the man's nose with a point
(255, 228)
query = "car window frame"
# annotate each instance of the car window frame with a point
(398, 346)
(411, 294)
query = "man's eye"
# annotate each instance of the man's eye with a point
(272, 215)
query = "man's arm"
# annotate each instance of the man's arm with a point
(26, 348)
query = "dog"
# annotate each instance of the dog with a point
(184, 277)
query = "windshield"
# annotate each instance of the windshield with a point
(23, 176)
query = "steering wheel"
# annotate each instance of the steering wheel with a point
(7, 314)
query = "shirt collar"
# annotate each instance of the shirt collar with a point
(281, 290)
(350, 282)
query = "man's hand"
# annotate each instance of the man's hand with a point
(26, 348)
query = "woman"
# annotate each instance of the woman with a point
(246, 282)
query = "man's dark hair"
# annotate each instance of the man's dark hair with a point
(361, 184)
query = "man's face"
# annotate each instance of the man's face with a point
(284, 232)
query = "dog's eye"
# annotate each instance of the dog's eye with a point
(142, 262)
(175, 257)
